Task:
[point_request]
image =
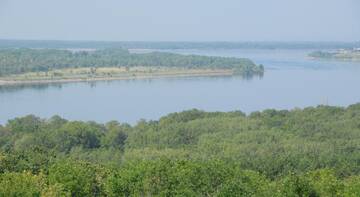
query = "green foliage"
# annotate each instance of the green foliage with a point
(17, 61)
(72, 134)
(19, 184)
(326, 183)
(295, 185)
(116, 135)
(185, 178)
(33, 160)
(25, 124)
(308, 152)
(352, 186)
(77, 178)
(315, 183)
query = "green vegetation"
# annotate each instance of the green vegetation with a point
(346, 55)
(20, 61)
(308, 152)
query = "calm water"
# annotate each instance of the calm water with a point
(291, 80)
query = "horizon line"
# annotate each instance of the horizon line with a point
(182, 41)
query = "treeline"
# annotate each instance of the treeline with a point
(174, 45)
(321, 54)
(302, 152)
(17, 61)
(347, 54)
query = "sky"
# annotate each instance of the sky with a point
(181, 20)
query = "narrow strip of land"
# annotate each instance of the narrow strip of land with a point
(341, 54)
(31, 66)
(107, 74)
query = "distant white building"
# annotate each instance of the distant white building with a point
(357, 49)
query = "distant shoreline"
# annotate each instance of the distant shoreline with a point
(12, 82)
(348, 55)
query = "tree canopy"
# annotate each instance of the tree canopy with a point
(18, 61)
(301, 152)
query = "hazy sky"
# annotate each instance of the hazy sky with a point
(181, 20)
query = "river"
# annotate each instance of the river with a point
(291, 80)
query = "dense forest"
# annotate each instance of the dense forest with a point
(17, 61)
(302, 152)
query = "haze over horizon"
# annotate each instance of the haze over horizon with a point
(186, 20)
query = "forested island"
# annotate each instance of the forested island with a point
(301, 152)
(46, 65)
(342, 54)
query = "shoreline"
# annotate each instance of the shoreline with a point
(356, 60)
(14, 82)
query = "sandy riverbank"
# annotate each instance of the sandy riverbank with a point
(9, 81)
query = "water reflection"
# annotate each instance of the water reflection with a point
(93, 84)
(38, 87)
